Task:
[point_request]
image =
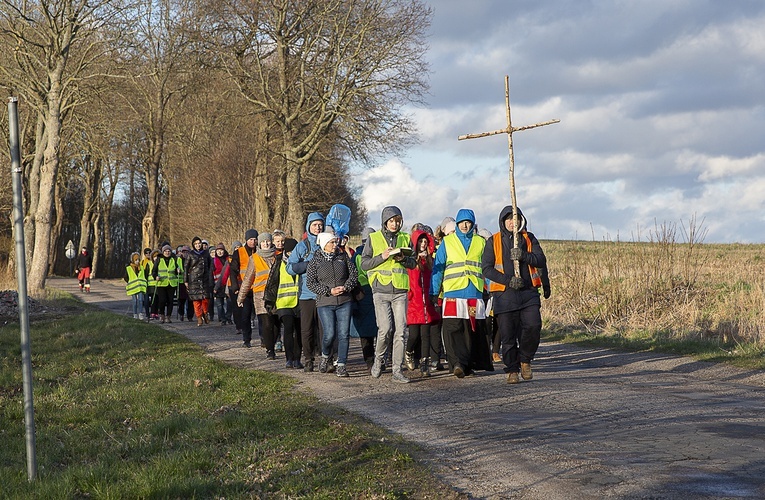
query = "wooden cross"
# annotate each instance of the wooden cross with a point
(509, 131)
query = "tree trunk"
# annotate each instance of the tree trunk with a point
(56, 230)
(97, 235)
(33, 187)
(150, 225)
(295, 213)
(38, 270)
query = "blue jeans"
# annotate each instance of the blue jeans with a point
(336, 321)
(138, 302)
(224, 308)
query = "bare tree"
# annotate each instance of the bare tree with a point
(157, 63)
(326, 68)
(54, 43)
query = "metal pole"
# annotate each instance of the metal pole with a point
(21, 275)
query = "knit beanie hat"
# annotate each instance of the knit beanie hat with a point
(265, 237)
(324, 238)
(290, 244)
(236, 244)
(220, 246)
(167, 247)
(250, 233)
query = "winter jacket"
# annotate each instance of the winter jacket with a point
(84, 260)
(197, 274)
(513, 300)
(297, 264)
(372, 257)
(326, 271)
(420, 309)
(220, 272)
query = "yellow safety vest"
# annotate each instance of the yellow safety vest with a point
(463, 268)
(136, 282)
(150, 281)
(363, 278)
(390, 270)
(287, 296)
(178, 277)
(165, 275)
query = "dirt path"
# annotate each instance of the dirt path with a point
(593, 423)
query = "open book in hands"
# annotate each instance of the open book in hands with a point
(404, 251)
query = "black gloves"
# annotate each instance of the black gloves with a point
(518, 254)
(546, 292)
(516, 283)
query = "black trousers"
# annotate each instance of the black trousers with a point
(429, 338)
(310, 329)
(245, 317)
(520, 332)
(165, 296)
(292, 341)
(236, 312)
(266, 325)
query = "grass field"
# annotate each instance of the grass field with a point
(127, 410)
(689, 298)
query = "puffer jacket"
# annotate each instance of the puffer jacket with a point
(197, 274)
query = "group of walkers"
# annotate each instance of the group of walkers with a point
(412, 299)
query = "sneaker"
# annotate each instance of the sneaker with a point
(496, 357)
(323, 364)
(342, 371)
(247, 344)
(332, 366)
(459, 372)
(526, 371)
(297, 365)
(308, 366)
(400, 378)
(376, 370)
(206, 318)
(141, 316)
(270, 355)
(289, 365)
(278, 347)
(168, 319)
(135, 316)
(512, 378)
(409, 360)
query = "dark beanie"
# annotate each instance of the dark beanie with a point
(250, 233)
(290, 244)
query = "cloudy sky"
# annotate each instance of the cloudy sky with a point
(662, 109)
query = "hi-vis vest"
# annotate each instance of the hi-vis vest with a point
(166, 276)
(536, 281)
(261, 269)
(178, 276)
(287, 296)
(463, 267)
(136, 282)
(390, 270)
(363, 278)
(150, 281)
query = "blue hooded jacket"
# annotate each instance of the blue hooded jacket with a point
(439, 263)
(302, 254)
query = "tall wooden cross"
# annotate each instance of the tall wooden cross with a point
(509, 131)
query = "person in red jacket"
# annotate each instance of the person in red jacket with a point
(421, 315)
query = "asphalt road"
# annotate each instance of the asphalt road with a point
(594, 423)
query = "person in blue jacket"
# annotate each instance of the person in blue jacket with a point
(297, 264)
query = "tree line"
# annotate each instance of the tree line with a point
(151, 120)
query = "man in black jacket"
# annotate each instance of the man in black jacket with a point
(516, 300)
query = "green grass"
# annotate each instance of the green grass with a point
(127, 410)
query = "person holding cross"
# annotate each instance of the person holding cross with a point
(516, 300)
